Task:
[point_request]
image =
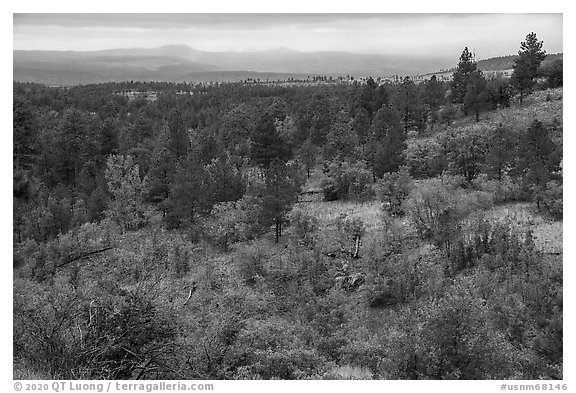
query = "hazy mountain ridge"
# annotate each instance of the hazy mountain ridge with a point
(178, 63)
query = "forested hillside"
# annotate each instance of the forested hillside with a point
(326, 230)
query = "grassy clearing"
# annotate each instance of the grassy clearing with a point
(548, 237)
(349, 372)
(547, 233)
(535, 107)
(327, 212)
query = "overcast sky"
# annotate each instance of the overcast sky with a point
(439, 34)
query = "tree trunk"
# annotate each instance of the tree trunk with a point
(277, 233)
(357, 247)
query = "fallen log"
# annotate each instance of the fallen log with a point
(85, 255)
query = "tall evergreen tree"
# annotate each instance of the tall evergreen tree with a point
(539, 158)
(368, 96)
(70, 144)
(188, 193)
(501, 149)
(267, 143)
(476, 94)
(126, 207)
(108, 139)
(461, 77)
(307, 155)
(159, 178)
(225, 182)
(410, 106)
(282, 186)
(433, 98)
(178, 138)
(24, 134)
(342, 141)
(361, 125)
(386, 148)
(526, 65)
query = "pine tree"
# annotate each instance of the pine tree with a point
(282, 186)
(126, 207)
(476, 94)
(410, 106)
(307, 155)
(25, 134)
(385, 151)
(178, 139)
(342, 141)
(225, 181)
(188, 193)
(368, 96)
(539, 158)
(526, 66)
(108, 139)
(361, 125)
(159, 177)
(267, 143)
(70, 143)
(500, 151)
(461, 77)
(433, 98)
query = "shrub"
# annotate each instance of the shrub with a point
(429, 204)
(393, 189)
(424, 157)
(347, 181)
(304, 226)
(350, 232)
(552, 199)
(503, 191)
(465, 149)
(232, 222)
(448, 114)
(275, 349)
(251, 262)
(75, 333)
(459, 339)
(437, 207)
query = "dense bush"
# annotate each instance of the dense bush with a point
(347, 181)
(304, 226)
(75, 333)
(553, 198)
(425, 157)
(437, 207)
(232, 222)
(393, 189)
(503, 191)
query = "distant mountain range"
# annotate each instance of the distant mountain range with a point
(181, 63)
